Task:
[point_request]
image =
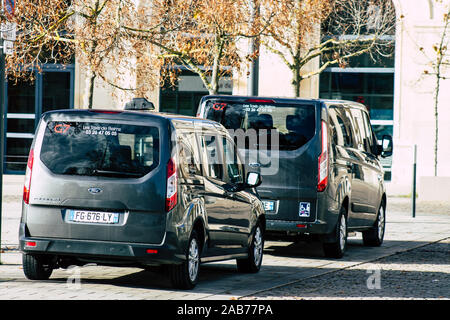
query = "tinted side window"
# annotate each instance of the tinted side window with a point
(371, 140)
(214, 165)
(359, 129)
(189, 157)
(234, 165)
(341, 132)
(365, 139)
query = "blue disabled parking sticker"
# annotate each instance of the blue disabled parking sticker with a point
(304, 209)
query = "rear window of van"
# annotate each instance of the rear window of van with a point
(295, 124)
(100, 149)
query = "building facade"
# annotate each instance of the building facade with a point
(399, 93)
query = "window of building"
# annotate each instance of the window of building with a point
(25, 102)
(184, 97)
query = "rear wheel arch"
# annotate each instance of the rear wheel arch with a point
(199, 228)
(384, 201)
(346, 204)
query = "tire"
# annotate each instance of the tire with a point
(36, 267)
(185, 275)
(374, 236)
(253, 263)
(337, 248)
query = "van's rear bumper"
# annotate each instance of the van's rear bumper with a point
(298, 227)
(104, 251)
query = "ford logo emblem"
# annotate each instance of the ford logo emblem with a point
(95, 190)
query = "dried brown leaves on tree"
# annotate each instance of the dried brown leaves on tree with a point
(91, 31)
(133, 45)
(126, 43)
(37, 38)
(105, 50)
(200, 36)
(349, 28)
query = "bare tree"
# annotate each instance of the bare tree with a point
(91, 31)
(39, 29)
(199, 35)
(110, 39)
(438, 60)
(349, 28)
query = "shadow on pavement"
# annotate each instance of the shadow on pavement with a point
(223, 278)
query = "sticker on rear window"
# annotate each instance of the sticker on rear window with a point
(257, 108)
(61, 128)
(101, 130)
(219, 106)
(304, 209)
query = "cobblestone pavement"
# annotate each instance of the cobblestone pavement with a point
(409, 267)
(420, 273)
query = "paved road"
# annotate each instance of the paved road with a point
(285, 263)
(419, 273)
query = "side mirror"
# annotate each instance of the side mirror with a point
(387, 146)
(253, 179)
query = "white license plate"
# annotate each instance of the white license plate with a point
(93, 216)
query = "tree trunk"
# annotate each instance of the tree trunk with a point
(441, 51)
(214, 85)
(89, 89)
(296, 81)
(436, 119)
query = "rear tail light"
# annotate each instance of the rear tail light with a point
(27, 184)
(323, 160)
(171, 192)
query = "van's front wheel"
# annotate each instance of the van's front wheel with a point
(36, 267)
(252, 264)
(336, 249)
(374, 236)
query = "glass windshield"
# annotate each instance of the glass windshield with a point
(294, 124)
(102, 149)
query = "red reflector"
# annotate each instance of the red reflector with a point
(30, 244)
(260, 100)
(301, 226)
(151, 251)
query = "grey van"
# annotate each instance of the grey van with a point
(320, 163)
(134, 188)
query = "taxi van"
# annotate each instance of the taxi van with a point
(137, 188)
